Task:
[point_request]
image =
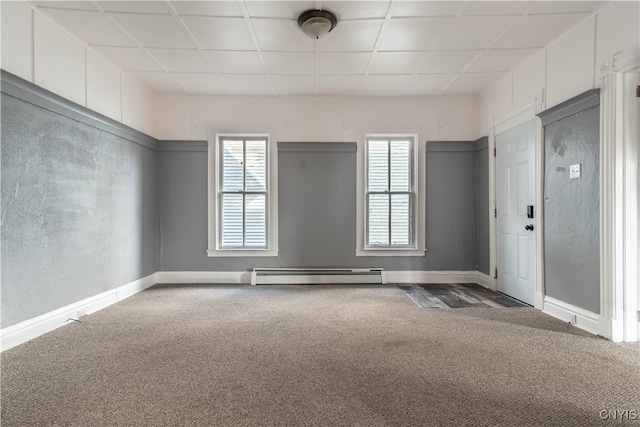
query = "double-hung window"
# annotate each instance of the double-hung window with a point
(242, 206)
(391, 220)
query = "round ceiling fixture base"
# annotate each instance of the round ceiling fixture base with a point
(317, 23)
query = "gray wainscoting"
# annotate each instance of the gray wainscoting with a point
(451, 212)
(89, 205)
(79, 203)
(482, 205)
(572, 206)
(317, 210)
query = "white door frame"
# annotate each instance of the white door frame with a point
(630, 198)
(619, 256)
(619, 251)
(498, 124)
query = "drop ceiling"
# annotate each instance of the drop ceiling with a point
(398, 48)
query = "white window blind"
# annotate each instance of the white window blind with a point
(389, 193)
(243, 193)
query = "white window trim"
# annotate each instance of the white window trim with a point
(212, 199)
(419, 160)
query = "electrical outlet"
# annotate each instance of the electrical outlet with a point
(81, 313)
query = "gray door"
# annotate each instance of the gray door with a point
(515, 191)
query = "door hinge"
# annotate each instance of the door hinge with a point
(637, 91)
(495, 152)
(495, 274)
(495, 213)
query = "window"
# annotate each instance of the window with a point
(242, 214)
(390, 216)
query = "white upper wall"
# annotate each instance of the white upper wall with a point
(568, 66)
(318, 118)
(37, 50)
(17, 39)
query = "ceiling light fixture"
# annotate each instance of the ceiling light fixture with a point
(317, 23)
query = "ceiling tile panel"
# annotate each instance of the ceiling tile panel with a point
(430, 82)
(71, 5)
(236, 62)
(351, 36)
(247, 83)
(472, 32)
(130, 58)
(446, 62)
(281, 35)
(545, 7)
(92, 27)
(142, 7)
(241, 92)
(396, 62)
(208, 8)
(278, 9)
(343, 63)
(364, 94)
(210, 47)
(181, 60)
(413, 34)
(479, 8)
(425, 8)
(472, 83)
(385, 83)
(154, 30)
(158, 82)
(357, 9)
(339, 84)
(290, 63)
(527, 31)
(220, 33)
(202, 83)
(410, 92)
(499, 60)
(302, 85)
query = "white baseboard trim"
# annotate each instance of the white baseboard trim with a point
(32, 328)
(29, 329)
(538, 300)
(221, 277)
(431, 277)
(485, 280)
(583, 319)
(244, 277)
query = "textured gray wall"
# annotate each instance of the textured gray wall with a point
(572, 211)
(79, 211)
(482, 207)
(317, 213)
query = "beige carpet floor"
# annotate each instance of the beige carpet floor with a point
(213, 355)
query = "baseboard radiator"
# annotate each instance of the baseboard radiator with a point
(317, 276)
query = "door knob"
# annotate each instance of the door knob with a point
(529, 227)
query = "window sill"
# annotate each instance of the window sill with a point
(390, 252)
(242, 253)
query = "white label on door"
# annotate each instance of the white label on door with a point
(575, 171)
